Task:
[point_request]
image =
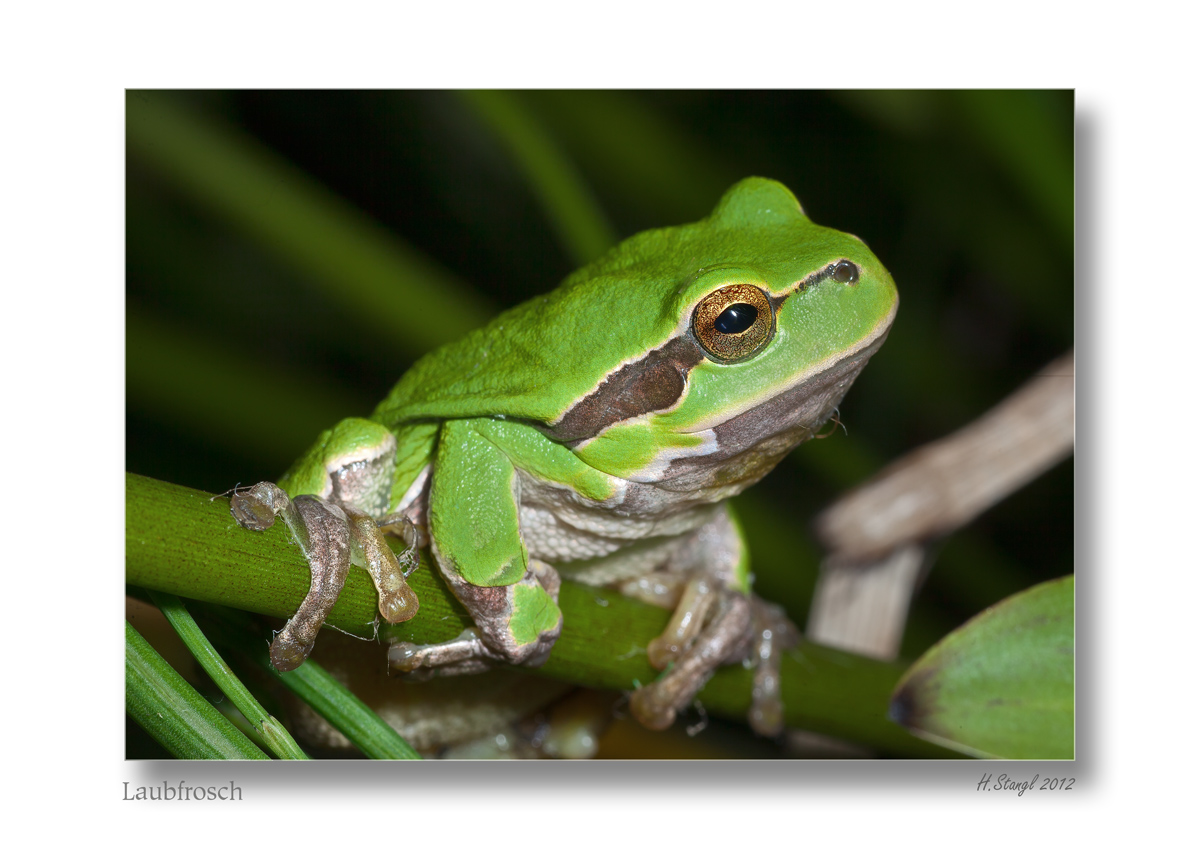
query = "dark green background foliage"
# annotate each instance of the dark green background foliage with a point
(237, 356)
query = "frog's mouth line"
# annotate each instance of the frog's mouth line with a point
(739, 450)
(742, 448)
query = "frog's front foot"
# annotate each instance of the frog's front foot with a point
(714, 625)
(466, 654)
(332, 536)
(516, 625)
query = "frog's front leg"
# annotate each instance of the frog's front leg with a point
(474, 526)
(516, 624)
(348, 472)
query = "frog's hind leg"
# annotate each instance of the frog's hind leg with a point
(724, 639)
(716, 621)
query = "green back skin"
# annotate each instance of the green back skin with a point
(538, 359)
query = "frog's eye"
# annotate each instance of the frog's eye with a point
(734, 323)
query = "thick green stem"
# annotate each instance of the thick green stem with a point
(185, 542)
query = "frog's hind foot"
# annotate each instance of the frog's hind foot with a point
(713, 626)
(725, 638)
(521, 627)
(481, 647)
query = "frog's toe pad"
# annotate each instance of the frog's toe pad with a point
(287, 652)
(653, 707)
(399, 605)
(255, 508)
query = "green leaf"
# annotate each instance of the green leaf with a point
(389, 285)
(158, 698)
(1002, 685)
(569, 205)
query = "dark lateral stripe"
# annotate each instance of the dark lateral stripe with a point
(654, 382)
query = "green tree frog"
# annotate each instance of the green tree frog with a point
(595, 433)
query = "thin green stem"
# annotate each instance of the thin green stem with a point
(270, 728)
(313, 685)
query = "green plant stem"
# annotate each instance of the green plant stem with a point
(312, 684)
(185, 542)
(271, 729)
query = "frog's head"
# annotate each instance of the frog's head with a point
(761, 321)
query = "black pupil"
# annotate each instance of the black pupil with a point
(736, 318)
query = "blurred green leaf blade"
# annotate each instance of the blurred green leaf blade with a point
(582, 227)
(313, 685)
(1002, 685)
(390, 285)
